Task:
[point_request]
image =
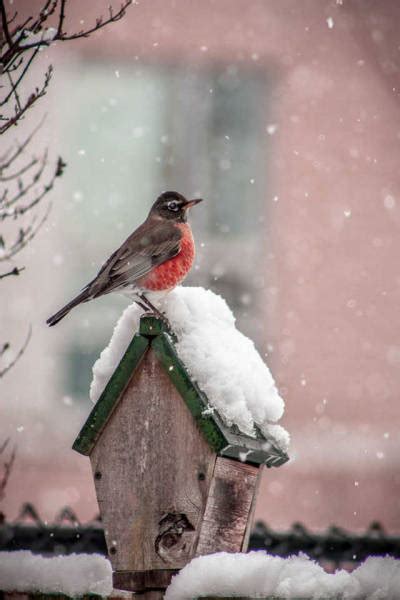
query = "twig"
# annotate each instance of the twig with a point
(13, 91)
(6, 213)
(38, 93)
(63, 37)
(23, 189)
(14, 271)
(15, 85)
(62, 17)
(17, 43)
(18, 355)
(5, 22)
(20, 148)
(113, 18)
(26, 235)
(7, 468)
(4, 445)
(21, 171)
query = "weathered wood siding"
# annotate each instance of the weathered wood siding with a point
(226, 518)
(152, 469)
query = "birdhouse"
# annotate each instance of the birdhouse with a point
(172, 480)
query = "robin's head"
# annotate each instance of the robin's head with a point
(174, 206)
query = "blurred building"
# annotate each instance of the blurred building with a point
(284, 116)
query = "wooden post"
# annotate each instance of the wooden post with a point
(229, 505)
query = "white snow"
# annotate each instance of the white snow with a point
(272, 128)
(330, 22)
(223, 361)
(257, 574)
(73, 575)
(44, 35)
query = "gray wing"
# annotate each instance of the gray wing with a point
(149, 246)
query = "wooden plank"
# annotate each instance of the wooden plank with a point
(232, 490)
(152, 595)
(252, 510)
(107, 402)
(137, 581)
(152, 469)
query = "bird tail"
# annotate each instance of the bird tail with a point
(82, 297)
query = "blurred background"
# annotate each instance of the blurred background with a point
(284, 116)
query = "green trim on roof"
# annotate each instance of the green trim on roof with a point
(108, 400)
(151, 326)
(226, 441)
(194, 398)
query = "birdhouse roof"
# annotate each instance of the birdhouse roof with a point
(226, 441)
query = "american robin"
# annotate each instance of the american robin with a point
(156, 257)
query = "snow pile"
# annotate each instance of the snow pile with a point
(258, 575)
(72, 575)
(223, 361)
(227, 575)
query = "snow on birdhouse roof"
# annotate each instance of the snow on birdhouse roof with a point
(223, 361)
(228, 376)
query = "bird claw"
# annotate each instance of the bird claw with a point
(150, 309)
(162, 316)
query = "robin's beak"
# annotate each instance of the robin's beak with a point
(191, 203)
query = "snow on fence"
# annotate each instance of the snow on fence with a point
(258, 575)
(222, 575)
(74, 575)
(334, 548)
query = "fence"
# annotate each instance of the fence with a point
(333, 548)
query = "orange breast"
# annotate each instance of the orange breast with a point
(173, 271)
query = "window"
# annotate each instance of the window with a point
(199, 132)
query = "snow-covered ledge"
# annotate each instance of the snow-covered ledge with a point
(73, 575)
(258, 575)
(252, 575)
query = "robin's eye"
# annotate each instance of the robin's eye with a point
(173, 206)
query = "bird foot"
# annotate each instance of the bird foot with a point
(150, 309)
(162, 317)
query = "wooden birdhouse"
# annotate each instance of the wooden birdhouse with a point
(172, 481)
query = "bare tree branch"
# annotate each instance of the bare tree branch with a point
(15, 85)
(7, 160)
(25, 235)
(14, 271)
(20, 172)
(16, 44)
(7, 467)
(38, 93)
(4, 445)
(61, 19)
(20, 352)
(5, 22)
(23, 192)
